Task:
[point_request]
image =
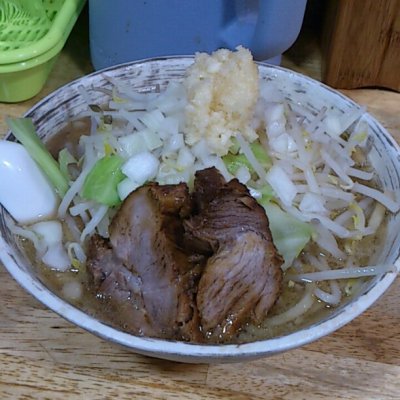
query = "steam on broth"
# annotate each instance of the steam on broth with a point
(310, 173)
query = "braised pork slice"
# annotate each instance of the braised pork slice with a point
(242, 277)
(147, 270)
(118, 287)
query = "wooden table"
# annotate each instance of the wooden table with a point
(44, 357)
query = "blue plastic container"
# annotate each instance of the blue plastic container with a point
(126, 30)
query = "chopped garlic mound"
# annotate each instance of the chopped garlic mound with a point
(222, 90)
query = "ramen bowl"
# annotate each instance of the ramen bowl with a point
(52, 114)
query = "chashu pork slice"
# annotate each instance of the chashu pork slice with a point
(145, 273)
(242, 278)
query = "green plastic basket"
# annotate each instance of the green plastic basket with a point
(32, 34)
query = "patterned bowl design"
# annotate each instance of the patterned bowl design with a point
(50, 115)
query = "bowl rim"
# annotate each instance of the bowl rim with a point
(192, 352)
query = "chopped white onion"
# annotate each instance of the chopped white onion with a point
(153, 120)
(141, 167)
(284, 188)
(151, 139)
(125, 187)
(185, 158)
(173, 144)
(132, 144)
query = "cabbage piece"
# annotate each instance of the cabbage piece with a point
(266, 193)
(24, 130)
(235, 161)
(102, 181)
(288, 233)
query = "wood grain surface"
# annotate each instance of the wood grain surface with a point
(43, 356)
(362, 44)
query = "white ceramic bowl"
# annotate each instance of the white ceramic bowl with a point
(51, 114)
